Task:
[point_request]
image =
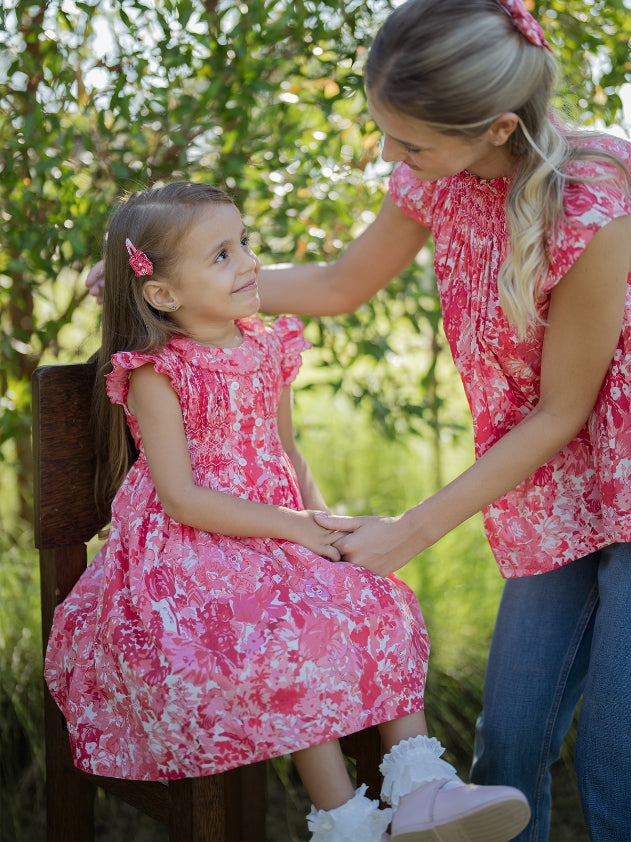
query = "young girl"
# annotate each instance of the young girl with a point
(213, 629)
(532, 233)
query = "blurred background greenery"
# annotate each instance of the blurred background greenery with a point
(265, 99)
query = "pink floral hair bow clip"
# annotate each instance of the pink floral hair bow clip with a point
(525, 23)
(138, 260)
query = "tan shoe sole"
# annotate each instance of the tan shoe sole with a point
(498, 822)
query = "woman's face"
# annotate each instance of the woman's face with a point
(431, 154)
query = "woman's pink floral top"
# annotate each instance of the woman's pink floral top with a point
(184, 653)
(581, 499)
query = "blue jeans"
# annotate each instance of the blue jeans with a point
(560, 636)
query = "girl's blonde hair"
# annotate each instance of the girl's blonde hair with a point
(457, 65)
(156, 221)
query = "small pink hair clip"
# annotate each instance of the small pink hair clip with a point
(525, 23)
(138, 260)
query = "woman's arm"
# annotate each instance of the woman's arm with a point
(584, 322)
(370, 262)
(157, 408)
(311, 496)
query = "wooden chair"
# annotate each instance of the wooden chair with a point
(228, 806)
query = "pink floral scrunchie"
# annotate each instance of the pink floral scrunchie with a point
(525, 23)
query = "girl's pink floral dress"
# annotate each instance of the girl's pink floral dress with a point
(184, 653)
(580, 500)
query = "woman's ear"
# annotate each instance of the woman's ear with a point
(159, 296)
(502, 128)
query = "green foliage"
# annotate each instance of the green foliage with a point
(591, 41)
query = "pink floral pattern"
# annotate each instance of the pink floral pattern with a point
(184, 653)
(581, 499)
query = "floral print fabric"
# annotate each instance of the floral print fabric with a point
(185, 653)
(581, 499)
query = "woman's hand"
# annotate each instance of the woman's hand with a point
(380, 544)
(96, 281)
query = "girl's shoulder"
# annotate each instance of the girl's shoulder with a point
(162, 358)
(288, 330)
(291, 332)
(164, 361)
(283, 338)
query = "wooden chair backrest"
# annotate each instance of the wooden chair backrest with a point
(65, 510)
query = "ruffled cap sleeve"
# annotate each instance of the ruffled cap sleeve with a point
(289, 330)
(117, 381)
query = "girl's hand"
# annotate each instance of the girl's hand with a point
(96, 281)
(379, 544)
(317, 538)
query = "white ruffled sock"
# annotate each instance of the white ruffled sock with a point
(412, 763)
(357, 820)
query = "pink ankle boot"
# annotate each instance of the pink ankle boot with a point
(432, 804)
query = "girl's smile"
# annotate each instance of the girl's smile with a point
(248, 287)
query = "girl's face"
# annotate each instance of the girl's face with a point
(216, 280)
(431, 154)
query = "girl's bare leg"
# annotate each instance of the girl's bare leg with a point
(402, 729)
(323, 773)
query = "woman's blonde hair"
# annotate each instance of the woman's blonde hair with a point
(457, 65)
(156, 221)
